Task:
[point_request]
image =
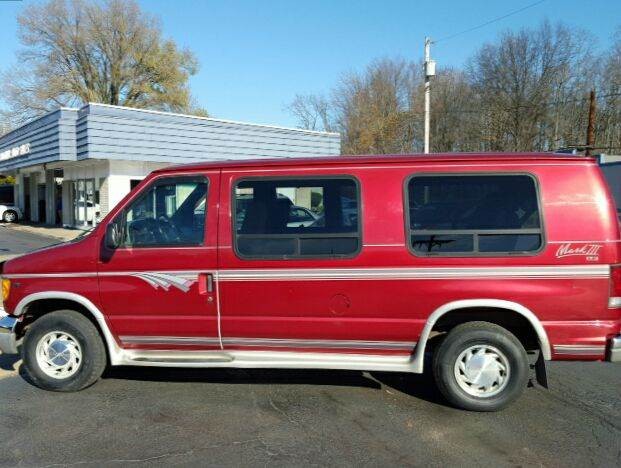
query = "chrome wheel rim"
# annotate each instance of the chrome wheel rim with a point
(59, 355)
(482, 371)
(9, 217)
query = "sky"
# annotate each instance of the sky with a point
(255, 56)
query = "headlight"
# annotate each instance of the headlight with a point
(6, 289)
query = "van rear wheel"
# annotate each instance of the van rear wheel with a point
(480, 366)
(63, 352)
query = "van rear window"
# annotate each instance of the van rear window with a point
(473, 214)
(297, 217)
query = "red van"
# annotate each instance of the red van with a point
(490, 264)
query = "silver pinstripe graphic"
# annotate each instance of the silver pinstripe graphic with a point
(579, 349)
(180, 340)
(269, 342)
(322, 274)
(166, 280)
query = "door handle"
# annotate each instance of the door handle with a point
(205, 283)
(209, 283)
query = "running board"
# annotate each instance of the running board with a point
(267, 360)
(178, 357)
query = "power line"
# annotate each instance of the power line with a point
(515, 12)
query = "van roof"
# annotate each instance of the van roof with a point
(383, 159)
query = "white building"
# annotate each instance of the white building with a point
(73, 165)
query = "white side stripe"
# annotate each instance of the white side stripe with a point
(300, 274)
(188, 275)
(306, 274)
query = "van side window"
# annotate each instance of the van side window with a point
(473, 214)
(170, 213)
(296, 218)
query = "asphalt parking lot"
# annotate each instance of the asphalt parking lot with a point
(145, 416)
(16, 240)
(284, 418)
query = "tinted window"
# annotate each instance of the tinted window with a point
(473, 214)
(171, 212)
(292, 218)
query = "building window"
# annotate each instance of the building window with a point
(169, 213)
(86, 209)
(473, 215)
(297, 217)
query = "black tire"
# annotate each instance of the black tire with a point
(93, 352)
(460, 339)
(10, 216)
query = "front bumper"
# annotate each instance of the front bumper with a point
(614, 349)
(8, 337)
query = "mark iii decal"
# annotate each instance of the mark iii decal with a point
(166, 280)
(590, 251)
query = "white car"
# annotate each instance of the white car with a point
(10, 213)
(300, 217)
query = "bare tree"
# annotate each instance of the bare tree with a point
(312, 112)
(609, 116)
(526, 91)
(372, 110)
(112, 52)
(456, 120)
(519, 78)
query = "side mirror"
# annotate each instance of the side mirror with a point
(113, 235)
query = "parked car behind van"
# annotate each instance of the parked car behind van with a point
(491, 264)
(10, 213)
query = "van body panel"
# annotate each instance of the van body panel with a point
(67, 267)
(149, 292)
(396, 308)
(376, 302)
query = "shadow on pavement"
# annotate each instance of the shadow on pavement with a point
(416, 385)
(420, 386)
(244, 376)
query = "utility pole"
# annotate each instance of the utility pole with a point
(590, 143)
(430, 70)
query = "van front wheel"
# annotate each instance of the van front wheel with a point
(480, 366)
(63, 352)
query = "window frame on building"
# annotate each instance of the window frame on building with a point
(77, 208)
(358, 234)
(475, 252)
